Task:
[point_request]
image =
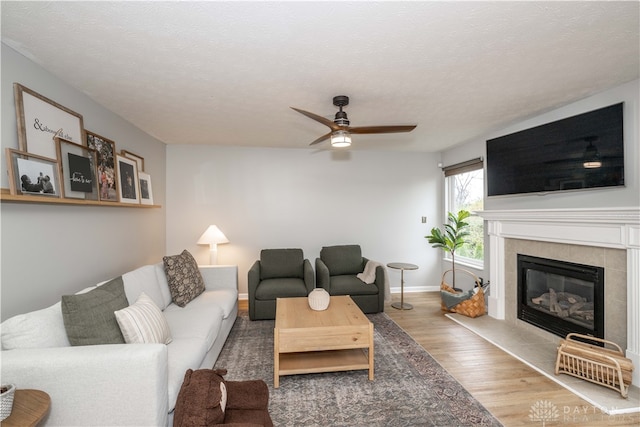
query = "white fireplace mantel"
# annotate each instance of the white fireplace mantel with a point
(600, 227)
(611, 228)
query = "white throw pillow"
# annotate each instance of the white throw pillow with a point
(37, 329)
(143, 322)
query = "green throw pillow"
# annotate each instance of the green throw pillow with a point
(89, 318)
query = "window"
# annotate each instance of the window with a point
(464, 189)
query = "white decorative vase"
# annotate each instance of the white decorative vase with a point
(6, 401)
(319, 299)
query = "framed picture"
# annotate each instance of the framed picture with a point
(32, 174)
(77, 170)
(128, 180)
(106, 162)
(146, 193)
(41, 119)
(139, 160)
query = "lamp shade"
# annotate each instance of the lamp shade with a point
(212, 235)
(340, 139)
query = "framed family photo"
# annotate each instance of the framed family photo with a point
(77, 170)
(138, 159)
(41, 119)
(106, 164)
(146, 193)
(127, 170)
(32, 174)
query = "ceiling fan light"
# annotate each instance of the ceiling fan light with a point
(340, 139)
(591, 157)
(592, 164)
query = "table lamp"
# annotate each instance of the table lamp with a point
(212, 237)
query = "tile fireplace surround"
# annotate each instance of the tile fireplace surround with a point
(588, 236)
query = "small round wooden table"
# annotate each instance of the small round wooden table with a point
(402, 266)
(29, 408)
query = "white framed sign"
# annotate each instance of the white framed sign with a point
(41, 119)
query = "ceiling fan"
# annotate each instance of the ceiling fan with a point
(340, 133)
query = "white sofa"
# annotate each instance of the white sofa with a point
(121, 384)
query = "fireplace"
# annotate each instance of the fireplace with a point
(605, 237)
(561, 297)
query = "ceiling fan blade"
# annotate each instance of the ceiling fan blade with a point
(381, 129)
(318, 118)
(322, 138)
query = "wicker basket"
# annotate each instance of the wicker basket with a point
(472, 307)
(584, 359)
(6, 401)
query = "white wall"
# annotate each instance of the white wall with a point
(48, 251)
(302, 198)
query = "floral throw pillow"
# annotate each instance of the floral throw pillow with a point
(184, 278)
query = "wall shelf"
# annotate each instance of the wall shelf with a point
(7, 197)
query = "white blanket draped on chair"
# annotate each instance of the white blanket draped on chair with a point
(368, 276)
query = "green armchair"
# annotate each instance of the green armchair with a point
(336, 271)
(279, 273)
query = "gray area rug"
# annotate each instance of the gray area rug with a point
(410, 387)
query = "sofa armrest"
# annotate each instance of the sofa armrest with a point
(253, 279)
(97, 385)
(219, 276)
(309, 278)
(322, 275)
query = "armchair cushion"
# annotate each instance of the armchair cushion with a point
(344, 259)
(278, 263)
(270, 289)
(351, 285)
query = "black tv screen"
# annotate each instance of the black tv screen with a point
(583, 151)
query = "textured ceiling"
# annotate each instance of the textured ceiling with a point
(227, 72)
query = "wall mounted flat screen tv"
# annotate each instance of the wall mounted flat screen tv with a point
(579, 152)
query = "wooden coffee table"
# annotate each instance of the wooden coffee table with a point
(308, 341)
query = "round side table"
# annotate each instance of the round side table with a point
(402, 266)
(29, 408)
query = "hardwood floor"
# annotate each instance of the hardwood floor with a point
(508, 388)
(505, 386)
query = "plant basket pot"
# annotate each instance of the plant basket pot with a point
(6, 401)
(472, 307)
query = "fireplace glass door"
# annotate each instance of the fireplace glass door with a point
(561, 297)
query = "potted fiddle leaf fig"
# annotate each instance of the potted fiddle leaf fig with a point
(452, 237)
